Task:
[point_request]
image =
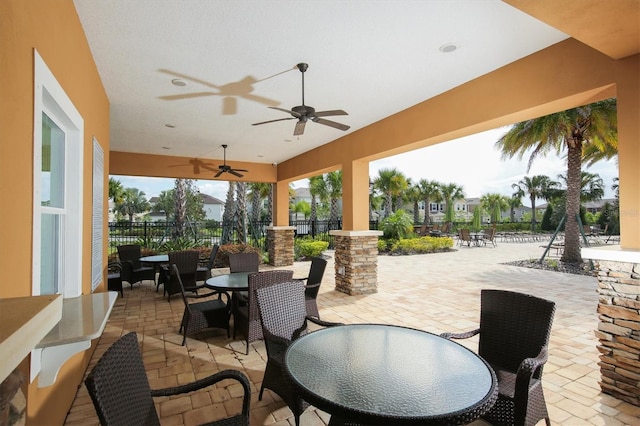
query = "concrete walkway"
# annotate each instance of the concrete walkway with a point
(435, 292)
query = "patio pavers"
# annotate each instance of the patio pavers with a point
(435, 292)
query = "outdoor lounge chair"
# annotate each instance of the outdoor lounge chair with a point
(245, 314)
(513, 338)
(120, 390)
(284, 318)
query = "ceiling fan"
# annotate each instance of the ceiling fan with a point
(224, 168)
(304, 113)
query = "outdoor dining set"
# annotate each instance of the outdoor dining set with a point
(373, 374)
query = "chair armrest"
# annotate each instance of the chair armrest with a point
(127, 270)
(208, 381)
(323, 323)
(212, 293)
(526, 371)
(300, 279)
(311, 286)
(465, 335)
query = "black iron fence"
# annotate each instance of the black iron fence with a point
(156, 234)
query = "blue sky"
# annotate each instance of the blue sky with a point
(471, 162)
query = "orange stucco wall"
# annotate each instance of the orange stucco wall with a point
(53, 28)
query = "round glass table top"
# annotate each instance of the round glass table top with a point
(156, 258)
(388, 371)
(237, 281)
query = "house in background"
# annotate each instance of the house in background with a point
(213, 209)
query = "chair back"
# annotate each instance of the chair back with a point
(175, 274)
(187, 263)
(282, 310)
(513, 326)
(212, 256)
(257, 281)
(130, 253)
(316, 272)
(244, 262)
(119, 387)
(465, 235)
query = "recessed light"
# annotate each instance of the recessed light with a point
(260, 156)
(169, 125)
(178, 82)
(448, 48)
(165, 147)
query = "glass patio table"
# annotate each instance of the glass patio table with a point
(237, 281)
(384, 374)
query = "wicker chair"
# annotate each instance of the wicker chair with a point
(120, 391)
(244, 262)
(213, 313)
(514, 336)
(245, 315)
(132, 270)
(313, 281)
(464, 237)
(284, 318)
(490, 236)
(204, 272)
(114, 277)
(187, 263)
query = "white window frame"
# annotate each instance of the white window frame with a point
(51, 99)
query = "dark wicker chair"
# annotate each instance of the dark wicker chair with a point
(132, 270)
(284, 318)
(121, 394)
(513, 337)
(245, 314)
(187, 263)
(212, 313)
(114, 277)
(244, 262)
(204, 272)
(313, 281)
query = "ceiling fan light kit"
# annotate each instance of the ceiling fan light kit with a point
(304, 113)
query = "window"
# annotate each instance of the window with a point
(57, 188)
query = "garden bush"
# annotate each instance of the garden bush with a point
(222, 258)
(421, 245)
(305, 248)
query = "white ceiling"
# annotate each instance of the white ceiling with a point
(369, 58)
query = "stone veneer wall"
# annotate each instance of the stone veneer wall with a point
(280, 245)
(619, 329)
(356, 263)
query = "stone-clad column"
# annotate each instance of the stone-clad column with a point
(356, 261)
(619, 329)
(280, 245)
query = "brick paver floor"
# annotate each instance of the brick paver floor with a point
(435, 292)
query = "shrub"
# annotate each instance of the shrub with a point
(422, 245)
(304, 248)
(397, 225)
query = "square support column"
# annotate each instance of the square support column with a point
(280, 245)
(356, 261)
(619, 321)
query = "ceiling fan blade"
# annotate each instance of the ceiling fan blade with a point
(219, 173)
(186, 96)
(240, 170)
(299, 128)
(295, 114)
(330, 113)
(333, 124)
(273, 121)
(235, 173)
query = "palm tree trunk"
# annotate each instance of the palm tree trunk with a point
(181, 208)
(571, 232)
(533, 213)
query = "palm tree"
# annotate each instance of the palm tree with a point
(391, 183)
(413, 195)
(258, 192)
(515, 201)
(535, 187)
(317, 190)
(180, 209)
(241, 211)
(450, 192)
(494, 204)
(430, 191)
(133, 201)
(116, 191)
(165, 204)
(591, 186)
(591, 129)
(333, 183)
(227, 216)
